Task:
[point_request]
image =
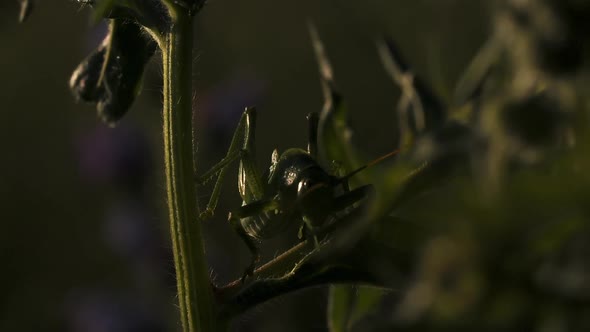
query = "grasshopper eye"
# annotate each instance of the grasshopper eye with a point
(303, 186)
(309, 185)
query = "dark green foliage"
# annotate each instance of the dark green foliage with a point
(551, 32)
(351, 304)
(491, 246)
(481, 222)
(535, 120)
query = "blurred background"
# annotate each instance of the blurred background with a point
(84, 240)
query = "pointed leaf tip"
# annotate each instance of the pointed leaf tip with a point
(26, 6)
(326, 73)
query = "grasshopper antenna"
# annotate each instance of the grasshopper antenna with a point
(370, 164)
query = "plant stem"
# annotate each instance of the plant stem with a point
(285, 262)
(197, 311)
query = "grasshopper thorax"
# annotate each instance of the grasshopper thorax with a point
(301, 185)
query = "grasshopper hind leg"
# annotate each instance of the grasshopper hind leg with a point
(240, 149)
(251, 210)
(308, 232)
(250, 243)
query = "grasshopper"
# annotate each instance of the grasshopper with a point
(297, 189)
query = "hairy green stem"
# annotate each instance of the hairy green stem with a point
(197, 310)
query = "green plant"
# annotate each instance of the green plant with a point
(501, 172)
(110, 77)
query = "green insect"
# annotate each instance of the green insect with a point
(297, 189)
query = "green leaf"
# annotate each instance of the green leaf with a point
(367, 300)
(340, 301)
(333, 130)
(471, 83)
(348, 305)
(420, 110)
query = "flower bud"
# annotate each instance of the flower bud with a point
(85, 79)
(111, 76)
